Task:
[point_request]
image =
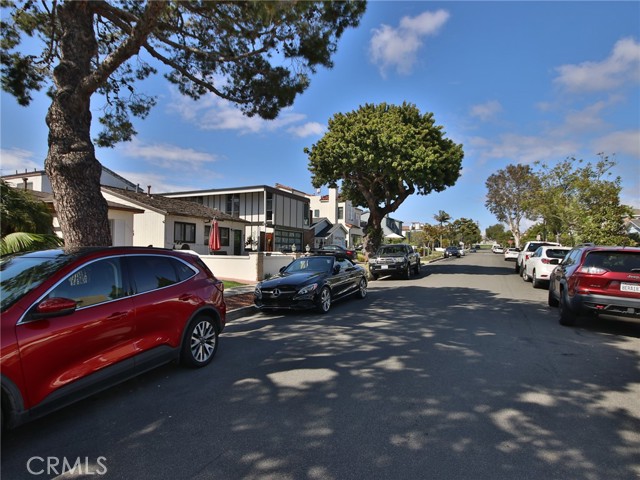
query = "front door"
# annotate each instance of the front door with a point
(237, 242)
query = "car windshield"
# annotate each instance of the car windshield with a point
(391, 251)
(310, 264)
(21, 274)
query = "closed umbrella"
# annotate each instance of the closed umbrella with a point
(214, 237)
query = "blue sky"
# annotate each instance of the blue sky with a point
(514, 82)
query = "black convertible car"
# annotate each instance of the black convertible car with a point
(312, 282)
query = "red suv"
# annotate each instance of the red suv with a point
(77, 321)
(594, 279)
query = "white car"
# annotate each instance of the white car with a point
(527, 251)
(511, 254)
(497, 249)
(539, 266)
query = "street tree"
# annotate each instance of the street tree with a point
(580, 202)
(466, 231)
(257, 55)
(382, 154)
(442, 218)
(510, 196)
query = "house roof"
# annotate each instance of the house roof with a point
(48, 199)
(172, 206)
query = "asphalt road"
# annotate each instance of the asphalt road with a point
(460, 373)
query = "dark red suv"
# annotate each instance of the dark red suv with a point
(596, 279)
(76, 321)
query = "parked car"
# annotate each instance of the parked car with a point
(527, 251)
(497, 249)
(79, 320)
(314, 281)
(538, 268)
(511, 254)
(451, 252)
(339, 249)
(597, 280)
(399, 259)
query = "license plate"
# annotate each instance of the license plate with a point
(630, 287)
(385, 267)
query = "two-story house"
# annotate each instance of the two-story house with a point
(340, 211)
(276, 219)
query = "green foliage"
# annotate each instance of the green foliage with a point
(466, 231)
(510, 196)
(22, 212)
(580, 202)
(381, 154)
(26, 222)
(265, 51)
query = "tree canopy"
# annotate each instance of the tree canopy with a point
(509, 194)
(258, 55)
(382, 154)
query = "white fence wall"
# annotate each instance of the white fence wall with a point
(249, 268)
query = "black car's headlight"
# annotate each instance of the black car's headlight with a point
(308, 289)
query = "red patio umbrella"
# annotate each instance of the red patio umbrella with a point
(214, 237)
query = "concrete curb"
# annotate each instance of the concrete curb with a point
(241, 312)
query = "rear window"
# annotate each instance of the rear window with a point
(625, 262)
(553, 253)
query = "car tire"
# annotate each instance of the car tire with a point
(374, 276)
(535, 283)
(517, 267)
(362, 288)
(567, 317)
(525, 277)
(200, 342)
(323, 302)
(551, 300)
(407, 273)
(417, 269)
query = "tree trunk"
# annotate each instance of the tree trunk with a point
(71, 164)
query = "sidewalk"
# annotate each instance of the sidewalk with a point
(239, 301)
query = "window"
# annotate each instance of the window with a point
(284, 240)
(269, 207)
(94, 283)
(340, 213)
(224, 237)
(184, 232)
(151, 272)
(316, 214)
(233, 204)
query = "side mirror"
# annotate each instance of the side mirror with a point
(282, 269)
(336, 269)
(53, 307)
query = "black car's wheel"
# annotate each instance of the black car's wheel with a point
(200, 342)
(324, 300)
(362, 288)
(567, 317)
(417, 269)
(551, 300)
(374, 276)
(407, 272)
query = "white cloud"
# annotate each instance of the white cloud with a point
(159, 182)
(523, 149)
(211, 112)
(164, 155)
(17, 159)
(308, 129)
(486, 111)
(397, 47)
(622, 65)
(623, 142)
